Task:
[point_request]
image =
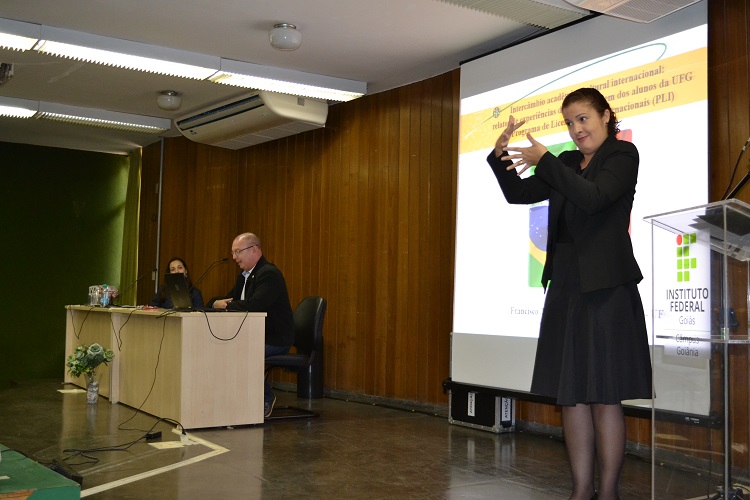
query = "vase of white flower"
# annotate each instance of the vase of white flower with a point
(84, 361)
(92, 387)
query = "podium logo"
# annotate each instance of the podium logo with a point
(684, 261)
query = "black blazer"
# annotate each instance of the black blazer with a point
(266, 292)
(601, 197)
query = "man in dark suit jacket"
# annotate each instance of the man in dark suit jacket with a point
(260, 287)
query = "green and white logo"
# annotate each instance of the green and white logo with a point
(685, 263)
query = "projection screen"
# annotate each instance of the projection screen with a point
(654, 75)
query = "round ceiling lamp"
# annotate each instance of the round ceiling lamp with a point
(169, 100)
(285, 36)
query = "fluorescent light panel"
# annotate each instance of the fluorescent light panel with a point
(18, 108)
(23, 108)
(103, 119)
(126, 54)
(18, 35)
(255, 76)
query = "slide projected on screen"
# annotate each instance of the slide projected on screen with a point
(655, 78)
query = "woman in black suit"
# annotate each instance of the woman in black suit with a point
(593, 350)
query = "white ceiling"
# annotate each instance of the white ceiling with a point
(386, 43)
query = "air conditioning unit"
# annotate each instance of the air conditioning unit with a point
(259, 117)
(642, 11)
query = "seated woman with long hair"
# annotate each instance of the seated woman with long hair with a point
(162, 298)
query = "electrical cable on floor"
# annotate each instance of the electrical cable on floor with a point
(147, 436)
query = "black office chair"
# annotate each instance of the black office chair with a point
(307, 361)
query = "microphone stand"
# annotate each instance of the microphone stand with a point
(225, 259)
(120, 294)
(744, 180)
(739, 186)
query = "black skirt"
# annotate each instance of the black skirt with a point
(593, 347)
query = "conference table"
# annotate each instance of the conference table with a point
(198, 369)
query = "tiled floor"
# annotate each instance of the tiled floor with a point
(352, 450)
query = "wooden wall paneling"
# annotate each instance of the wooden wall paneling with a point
(738, 87)
(444, 162)
(179, 169)
(380, 243)
(309, 246)
(369, 278)
(273, 214)
(331, 270)
(411, 245)
(718, 96)
(381, 265)
(392, 230)
(325, 246)
(386, 143)
(729, 106)
(401, 362)
(340, 223)
(431, 152)
(450, 190)
(423, 222)
(363, 245)
(729, 85)
(375, 258)
(289, 189)
(738, 366)
(216, 206)
(301, 201)
(254, 194)
(346, 368)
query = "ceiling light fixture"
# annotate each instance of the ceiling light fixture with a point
(286, 81)
(17, 35)
(285, 36)
(18, 108)
(169, 100)
(103, 119)
(24, 108)
(125, 54)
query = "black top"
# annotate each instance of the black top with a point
(599, 199)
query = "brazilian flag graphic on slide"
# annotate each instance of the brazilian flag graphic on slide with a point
(538, 227)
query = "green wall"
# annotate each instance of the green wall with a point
(62, 215)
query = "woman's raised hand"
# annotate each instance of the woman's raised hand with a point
(504, 139)
(525, 157)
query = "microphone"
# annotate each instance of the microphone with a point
(744, 180)
(121, 293)
(225, 259)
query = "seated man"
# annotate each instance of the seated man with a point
(260, 287)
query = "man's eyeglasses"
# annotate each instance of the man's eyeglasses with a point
(235, 253)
